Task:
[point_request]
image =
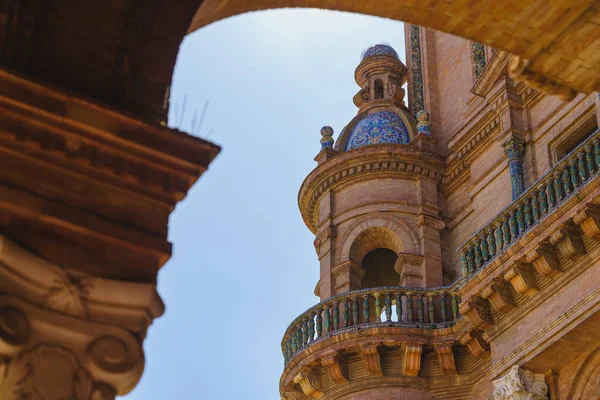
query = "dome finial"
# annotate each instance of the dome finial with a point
(379, 49)
(424, 125)
(327, 137)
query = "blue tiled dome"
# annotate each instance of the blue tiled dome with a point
(378, 128)
(380, 49)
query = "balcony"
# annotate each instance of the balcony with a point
(568, 180)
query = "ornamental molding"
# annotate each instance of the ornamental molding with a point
(132, 306)
(494, 71)
(520, 384)
(518, 70)
(370, 162)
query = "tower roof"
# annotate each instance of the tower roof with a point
(378, 128)
(379, 49)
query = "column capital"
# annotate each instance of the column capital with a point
(514, 148)
(89, 329)
(520, 384)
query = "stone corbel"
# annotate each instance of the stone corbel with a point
(518, 70)
(336, 367)
(446, 358)
(499, 294)
(477, 310)
(310, 383)
(475, 342)
(589, 221)
(545, 260)
(371, 356)
(520, 384)
(522, 278)
(410, 269)
(411, 359)
(347, 276)
(568, 240)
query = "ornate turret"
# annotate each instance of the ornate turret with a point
(372, 203)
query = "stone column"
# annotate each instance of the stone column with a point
(514, 148)
(68, 335)
(520, 384)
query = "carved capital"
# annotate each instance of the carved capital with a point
(477, 310)
(522, 278)
(411, 359)
(520, 384)
(475, 342)
(86, 328)
(336, 367)
(371, 356)
(499, 294)
(545, 260)
(310, 382)
(446, 358)
(568, 240)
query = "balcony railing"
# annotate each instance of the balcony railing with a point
(546, 195)
(427, 308)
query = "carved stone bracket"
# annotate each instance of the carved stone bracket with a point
(477, 310)
(568, 240)
(522, 278)
(310, 382)
(411, 359)
(520, 384)
(589, 221)
(545, 260)
(518, 71)
(499, 294)
(446, 358)
(336, 367)
(372, 363)
(475, 342)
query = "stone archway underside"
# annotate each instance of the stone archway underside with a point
(122, 53)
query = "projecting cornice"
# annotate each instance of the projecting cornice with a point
(402, 161)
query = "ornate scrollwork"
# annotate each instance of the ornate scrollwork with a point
(520, 384)
(14, 330)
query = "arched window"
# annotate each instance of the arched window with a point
(378, 89)
(379, 269)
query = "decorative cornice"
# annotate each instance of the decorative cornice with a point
(495, 69)
(365, 163)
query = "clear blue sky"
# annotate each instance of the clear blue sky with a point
(244, 265)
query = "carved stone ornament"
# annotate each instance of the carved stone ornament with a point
(569, 241)
(520, 384)
(499, 294)
(589, 221)
(336, 367)
(372, 363)
(522, 278)
(310, 382)
(477, 310)
(411, 359)
(446, 358)
(50, 316)
(475, 342)
(545, 260)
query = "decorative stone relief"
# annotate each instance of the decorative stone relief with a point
(520, 384)
(69, 292)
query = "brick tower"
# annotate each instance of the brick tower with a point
(373, 205)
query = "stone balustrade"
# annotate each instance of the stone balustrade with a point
(538, 202)
(426, 308)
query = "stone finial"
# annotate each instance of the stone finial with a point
(519, 384)
(327, 137)
(423, 125)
